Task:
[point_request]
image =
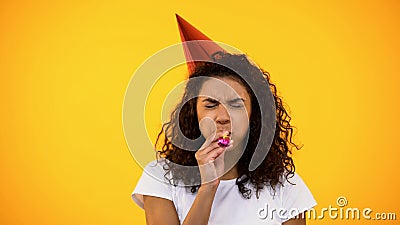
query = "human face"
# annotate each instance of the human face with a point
(224, 105)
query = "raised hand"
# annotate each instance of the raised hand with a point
(210, 158)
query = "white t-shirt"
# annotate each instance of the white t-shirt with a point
(229, 206)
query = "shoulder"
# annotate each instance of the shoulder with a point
(290, 180)
(153, 182)
(293, 184)
(295, 195)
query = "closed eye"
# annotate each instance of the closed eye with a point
(237, 106)
(233, 106)
(211, 106)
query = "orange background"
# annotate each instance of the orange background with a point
(65, 66)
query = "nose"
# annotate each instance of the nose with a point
(222, 115)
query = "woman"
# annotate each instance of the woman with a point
(203, 182)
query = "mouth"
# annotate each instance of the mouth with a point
(224, 131)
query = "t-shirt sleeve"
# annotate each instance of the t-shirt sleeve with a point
(152, 183)
(296, 198)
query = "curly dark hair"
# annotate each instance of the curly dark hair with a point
(277, 164)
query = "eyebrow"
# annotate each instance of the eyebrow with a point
(212, 100)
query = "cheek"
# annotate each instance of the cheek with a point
(240, 124)
(206, 124)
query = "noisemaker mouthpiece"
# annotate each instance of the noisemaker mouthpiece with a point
(224, 140)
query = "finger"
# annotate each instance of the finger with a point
(221, 154)
(214, 146)
(213, 155)
(223, 150)
(207, 152)
(210, 148)
(207, 142)
(204, 158)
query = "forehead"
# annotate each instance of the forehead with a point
(223, 89)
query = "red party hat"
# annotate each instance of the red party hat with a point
(196, 45)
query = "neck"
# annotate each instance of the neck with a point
(231, 174)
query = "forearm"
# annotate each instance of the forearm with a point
(199, 213)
